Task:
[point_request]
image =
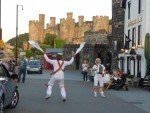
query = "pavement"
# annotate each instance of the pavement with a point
(140, 98)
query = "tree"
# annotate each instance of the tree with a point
(29, 53)
(49, 39)
(21, 39)
(59, 43)
(147, 53)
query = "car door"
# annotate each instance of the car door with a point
(8, 86)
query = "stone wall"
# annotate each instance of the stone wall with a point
(90, 53)
(117, 29)
(98, 37)
(68, 29)
(117, 24)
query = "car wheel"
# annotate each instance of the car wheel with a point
(15, 99)
(28, 72)
(1, 105)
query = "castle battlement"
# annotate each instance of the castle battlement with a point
(69, 15)
(68, 29)
(33, 22)
(101, 17)
(52, 21)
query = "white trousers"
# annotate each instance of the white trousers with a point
(61, 85)
(98, 79)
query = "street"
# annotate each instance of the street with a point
(80, 98)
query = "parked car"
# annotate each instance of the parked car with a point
(9, 95)
(34, 66)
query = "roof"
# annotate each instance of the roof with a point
(54, 50)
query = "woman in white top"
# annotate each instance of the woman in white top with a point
(57, 75)
(98, 77)
(85, 70)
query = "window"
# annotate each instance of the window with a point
(122, 65)
(139, 35)
(129, 4)
(123, 4)
(128, 64)
(139, 65)
(139, 8)
(133, 36)
(129, 36)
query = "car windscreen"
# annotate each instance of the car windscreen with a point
(34, 63)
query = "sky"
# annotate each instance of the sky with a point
(51, 8)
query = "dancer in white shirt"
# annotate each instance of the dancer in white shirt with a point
(98, 68)
(57, 75)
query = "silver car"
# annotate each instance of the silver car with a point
(9, 95)
(34, 66)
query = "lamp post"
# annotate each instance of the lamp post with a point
(17, 31)
(0, 23)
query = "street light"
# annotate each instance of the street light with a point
(0, 23)
(17, 31)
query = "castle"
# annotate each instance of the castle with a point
(69, 30)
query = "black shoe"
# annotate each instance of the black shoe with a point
(47, 97)
(64, 100)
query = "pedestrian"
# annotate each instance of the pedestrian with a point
(85, 71)
(57, 75)
(11, 65)
(22, 68)
(98, 68)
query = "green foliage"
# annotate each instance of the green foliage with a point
(147, 46)
(33, 52)
(36, 51)
(147, 53)
(49, 39)
(21, 39)
(59, 43)
(29, 53)
(44, 46)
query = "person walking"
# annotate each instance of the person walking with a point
(57, 75)
(85, 71)
(22, 69)
(98, 68)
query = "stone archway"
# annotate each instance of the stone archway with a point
(77, 61)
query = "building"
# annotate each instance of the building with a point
(69, 30)
(137, 24)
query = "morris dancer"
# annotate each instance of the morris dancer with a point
(99, 71)
(57, 75)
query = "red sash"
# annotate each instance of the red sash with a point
(60, 67)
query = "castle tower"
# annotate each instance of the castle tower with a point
(52, 21)
(33, 30)
(67, 28)
(41, 27)
(80, 20)
(69, 15)
(100, 23)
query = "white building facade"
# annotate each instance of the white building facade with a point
(137, 24)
